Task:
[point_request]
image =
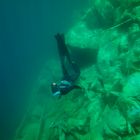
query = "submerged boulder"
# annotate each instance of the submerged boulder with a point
(83, 44)
(132, 86)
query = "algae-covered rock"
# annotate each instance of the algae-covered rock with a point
(82, 37)
(30, 132)
(136, 12)
(101, 15)
(134, 115)
(89, 79)
(135, 137)
(118, 124)
(123, 44)
(132, 87)
(83, 44)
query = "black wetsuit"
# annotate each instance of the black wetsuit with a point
(70, 69)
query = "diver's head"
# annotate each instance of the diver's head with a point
(54, 87)
(55, 90)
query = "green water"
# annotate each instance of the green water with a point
(26, 43)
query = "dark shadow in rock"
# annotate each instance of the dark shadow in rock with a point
(84, 57)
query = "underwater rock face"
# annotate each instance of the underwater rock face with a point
(83, 44)
(132, 87)
(81, 37)
(100, 15)
(106, 45)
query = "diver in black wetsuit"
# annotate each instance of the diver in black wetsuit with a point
(70, 70)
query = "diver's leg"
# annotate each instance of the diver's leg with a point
(62, 49)
(64, 69)
(76, 70)
(69, 68)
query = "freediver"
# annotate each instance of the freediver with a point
(70, 70)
